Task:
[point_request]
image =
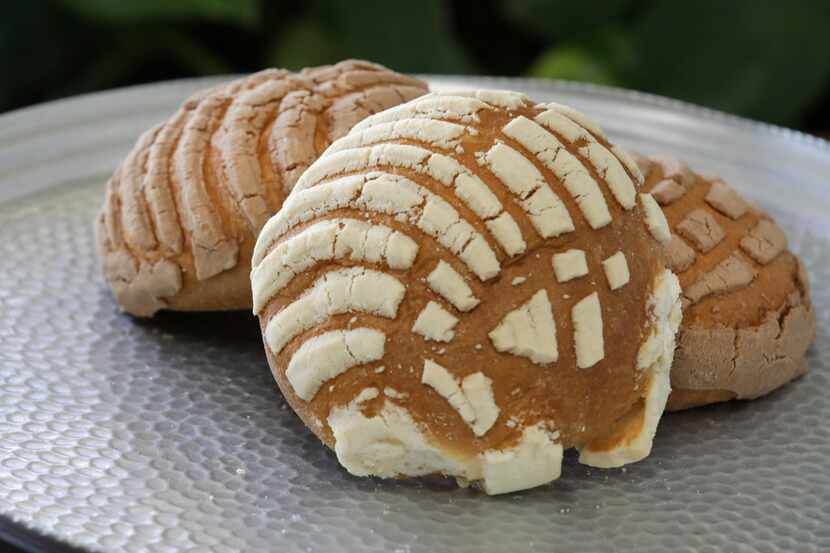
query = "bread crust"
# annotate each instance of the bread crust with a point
(183, 209)
(748, 320)
(405, 369)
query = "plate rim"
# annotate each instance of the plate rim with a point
(32, 540)
(611, 92)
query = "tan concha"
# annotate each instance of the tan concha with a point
(747, 318)
(183, 210)
(468, 284)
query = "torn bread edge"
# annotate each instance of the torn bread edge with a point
(391, 443)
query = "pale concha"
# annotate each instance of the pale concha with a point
(469, 284)
(747, 319)
(183, 209)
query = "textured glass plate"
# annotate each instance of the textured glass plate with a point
(170, 435)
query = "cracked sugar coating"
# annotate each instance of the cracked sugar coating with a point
(183, 209)
(748, 320)
(448, 202)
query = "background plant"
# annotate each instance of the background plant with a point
(764, 59)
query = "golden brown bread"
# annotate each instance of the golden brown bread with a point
(747, 319)
(183, 210)
(468, 284)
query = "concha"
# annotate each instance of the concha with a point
(183, 209)
(748, 319)
(469, 284)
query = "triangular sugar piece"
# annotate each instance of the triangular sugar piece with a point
(529, 331)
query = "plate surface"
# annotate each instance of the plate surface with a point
(170, 435)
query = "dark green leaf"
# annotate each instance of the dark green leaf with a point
(129, 54)
(193, 56)
(406, 36)
(238, 12)
(563, 18)
(40, 48)
(304, 44)
(615, 45)
(572, 64)
(768, 60)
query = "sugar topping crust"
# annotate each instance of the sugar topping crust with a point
(182, 211)
(748, 320)
(495, 327)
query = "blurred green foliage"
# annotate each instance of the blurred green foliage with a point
(765, 59)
